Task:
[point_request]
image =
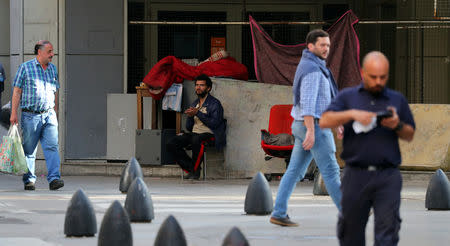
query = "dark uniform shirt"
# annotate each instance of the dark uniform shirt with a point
(378, 147)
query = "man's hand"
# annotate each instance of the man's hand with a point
(308, 143)
(391, 122)
(191, 111)
(13, 119)
(364, 117)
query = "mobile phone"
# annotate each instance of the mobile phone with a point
(384, 114)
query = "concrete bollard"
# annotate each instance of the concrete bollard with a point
(131, 171)
(319, 186)
(170, 234)
(235, 238)
(258, 199)
(138, 203)
(438, 192)
(80, 218)
(115, 229)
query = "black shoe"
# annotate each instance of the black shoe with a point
(56, 184)
(188, 176)
(283, 221)
(195, 175)
(29, 186)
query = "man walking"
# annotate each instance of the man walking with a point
(313, 89)
(371, 153)
(205, 122)
(36, 91)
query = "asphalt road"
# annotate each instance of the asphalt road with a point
(206, 212)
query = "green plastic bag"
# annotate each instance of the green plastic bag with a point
(12, 157)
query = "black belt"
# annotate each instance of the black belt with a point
(316, 121)
(35, 112)
(372, 167)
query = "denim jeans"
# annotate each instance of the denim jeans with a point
(323, 153)
(43, 127)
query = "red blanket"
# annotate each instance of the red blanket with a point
(276, 63)
(171, 70)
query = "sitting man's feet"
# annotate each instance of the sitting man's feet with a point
(56, 184)
(194, 175)
(283, 221)
(29, 186)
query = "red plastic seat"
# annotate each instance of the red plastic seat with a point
(280, 121)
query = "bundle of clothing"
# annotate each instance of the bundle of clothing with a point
(171, 70)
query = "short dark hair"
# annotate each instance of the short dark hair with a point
(39, 45)
(205, 78)
(313, 35)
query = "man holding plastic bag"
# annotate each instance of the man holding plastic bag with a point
(35, 90)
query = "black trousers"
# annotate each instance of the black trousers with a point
(177, 146)
(361, 190)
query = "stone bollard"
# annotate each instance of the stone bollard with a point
(138, 203)
(170, 234)
(115, 229)
(80, 218)
(438, 192)
(319, 186)
(258, 199)
(235, 238)
(131, 171)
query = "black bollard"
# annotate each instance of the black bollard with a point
(438, 192)
(319, 188)
(80, 218)
(138, 203)
(258, 199)
(131, 171)
(235, 238)
(170, 234)
(115, 228)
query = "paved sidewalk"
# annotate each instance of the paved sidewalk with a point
(205, 210)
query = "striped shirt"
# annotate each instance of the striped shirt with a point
(38, 85)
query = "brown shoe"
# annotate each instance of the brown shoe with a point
(29, 186)
(283, 221)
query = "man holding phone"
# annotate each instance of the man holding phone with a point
(372, 156)
(205, 122)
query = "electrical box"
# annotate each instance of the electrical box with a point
(151, 146)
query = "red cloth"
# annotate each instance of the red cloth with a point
(171, 70)
(276, 63)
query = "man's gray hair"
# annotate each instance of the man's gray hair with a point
(39, 45)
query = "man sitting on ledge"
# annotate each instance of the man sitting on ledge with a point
(205, 122)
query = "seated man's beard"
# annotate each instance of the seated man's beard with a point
(203, 94)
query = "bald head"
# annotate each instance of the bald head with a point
(375, 56)
(375, 72)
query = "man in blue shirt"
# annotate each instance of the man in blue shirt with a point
(371, 153)
(313, 89)
(35, 88)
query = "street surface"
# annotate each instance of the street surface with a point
(205, 210)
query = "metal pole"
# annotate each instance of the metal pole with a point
(279, 22)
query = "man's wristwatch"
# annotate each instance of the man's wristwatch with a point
(399, 126)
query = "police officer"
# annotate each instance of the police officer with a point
(371, 153)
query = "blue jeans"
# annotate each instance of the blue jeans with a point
(43, 127)
(323, 153)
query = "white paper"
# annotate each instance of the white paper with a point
(358, 127)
